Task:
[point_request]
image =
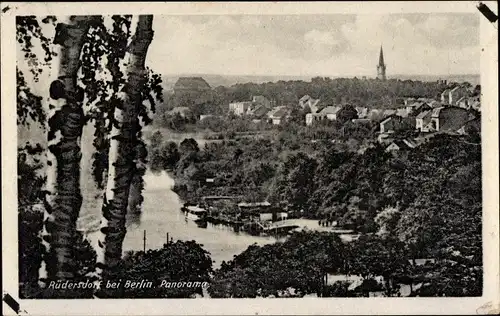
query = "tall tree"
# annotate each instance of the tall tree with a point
(65, 123)
(125, 132)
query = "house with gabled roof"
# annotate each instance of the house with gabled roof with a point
(475, 104)
(456, 94)
(308, 101)
(388, 112)
(362, 112)
(278, 114)
(447, 119)
(257, 110)
(240, 108)
(445, 96)
(472, 126)
(330, 112)
(261, 100)
(463, 102)
(416, 108)
(422, 119)
(304, 101)
(401, 144)
(395, 123)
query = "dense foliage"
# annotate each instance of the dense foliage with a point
(423, 203)
(294, 267)
(180, 261)
(303, 264)
(30, 217)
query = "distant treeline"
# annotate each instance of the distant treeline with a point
(358, 92)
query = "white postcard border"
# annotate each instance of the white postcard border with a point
(489, 82)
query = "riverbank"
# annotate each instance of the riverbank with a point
(162, 217)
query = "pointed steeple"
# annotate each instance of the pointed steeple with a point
(381, 57)
(381, 65)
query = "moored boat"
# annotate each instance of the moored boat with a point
(194, 212)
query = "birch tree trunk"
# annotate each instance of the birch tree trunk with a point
(126, 129)
(63, 198)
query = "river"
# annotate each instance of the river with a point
(161, 215)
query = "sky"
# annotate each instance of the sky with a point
(316, 45)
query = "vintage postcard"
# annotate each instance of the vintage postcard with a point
(250, 158)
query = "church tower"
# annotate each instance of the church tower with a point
(381, 66)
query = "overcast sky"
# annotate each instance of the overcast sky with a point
(328, 45)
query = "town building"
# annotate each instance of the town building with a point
(475, 103)
(278, 115)
(422, 119)
(434, 104)
(445, 96)
(472, 126)
(445, 119)
(261, 100)
(362, 112)
(416, 108)
(308, 101)
(330, 112)
(389, 112)
(395, 123)
(191, 84)
(381, 66)
(389, 125)
(401, 144)
(240, 108)
(456, 94)
(255, 107)
(403, 112)
(257, 110)
(463, 102)
(313, 117)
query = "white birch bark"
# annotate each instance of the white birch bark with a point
(65, 123)
(125, 129)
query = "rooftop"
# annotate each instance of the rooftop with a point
(305, 98)
(416, 104)
(436, 111)
(191, 84)
(423, 114)
(280, 112)
(330, 110)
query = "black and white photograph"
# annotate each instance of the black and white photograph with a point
(204, 151)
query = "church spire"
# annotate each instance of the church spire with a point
(381, 57)
(381, 65)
